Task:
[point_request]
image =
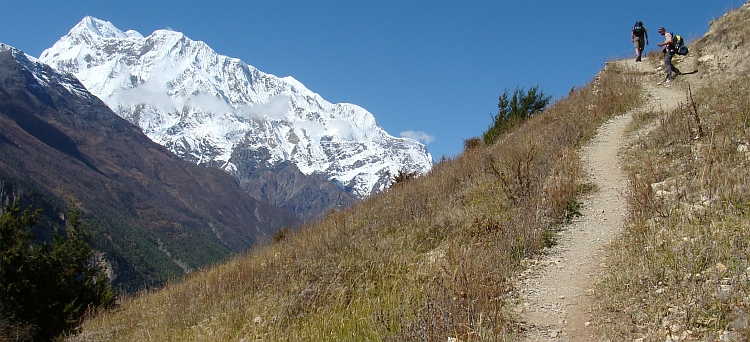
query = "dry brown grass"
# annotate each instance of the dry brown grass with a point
(427, 260)
(682, 268)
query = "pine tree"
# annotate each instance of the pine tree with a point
(513, 110)
(46, 288)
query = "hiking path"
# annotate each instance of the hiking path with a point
(556, 292)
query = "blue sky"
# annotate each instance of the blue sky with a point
(435, 68)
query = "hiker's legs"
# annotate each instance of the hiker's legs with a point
(673, 68)
(668, 64)
(638, 48)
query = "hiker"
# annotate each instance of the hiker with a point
(669, 51)
(639, 37)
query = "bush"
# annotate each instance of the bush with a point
(472, 143)
(402, 177)
(515, 110)
(46, 288)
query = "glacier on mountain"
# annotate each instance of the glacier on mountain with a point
(203, 106)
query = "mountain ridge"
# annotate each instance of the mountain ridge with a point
(152, 213)
(208, 108)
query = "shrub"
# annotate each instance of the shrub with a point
(46, 288)
(402, 177)
(472, 143)
(515, 110)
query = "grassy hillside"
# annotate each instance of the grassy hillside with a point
(682, 269)
(427, 260)
(431, 258)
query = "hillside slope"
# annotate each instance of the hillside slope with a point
(434, 257)
(648, 259)
(556, 299)
(429, 259)
(680, 270)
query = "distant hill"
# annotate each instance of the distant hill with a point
(153, 215)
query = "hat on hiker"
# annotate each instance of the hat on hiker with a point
(661, 29)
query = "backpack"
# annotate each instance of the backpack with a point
(678, 45)
(638, 29)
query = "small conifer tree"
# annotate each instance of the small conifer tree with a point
(46, 288)
(515, 109)
(402, 177)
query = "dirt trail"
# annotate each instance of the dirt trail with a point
(556, 291)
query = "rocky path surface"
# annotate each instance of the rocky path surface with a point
(556, 290)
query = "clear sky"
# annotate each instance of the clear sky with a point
(432, 67)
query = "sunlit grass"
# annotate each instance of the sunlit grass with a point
(682, 268)
(427, 260)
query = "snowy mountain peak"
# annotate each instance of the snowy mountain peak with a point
(219, 111)
(43, 75)
(6, 47)
(101, 28)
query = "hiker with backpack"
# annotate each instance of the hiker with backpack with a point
(639, 36)
(669, 51)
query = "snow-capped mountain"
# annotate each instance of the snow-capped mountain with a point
(204, 107)
(43, 77)
(158, 215)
